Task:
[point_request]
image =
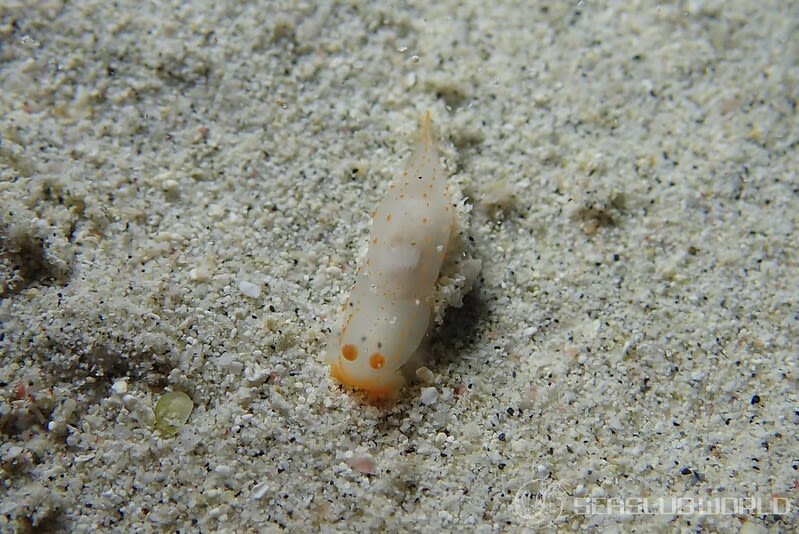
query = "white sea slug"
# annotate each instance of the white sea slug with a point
(389, 309)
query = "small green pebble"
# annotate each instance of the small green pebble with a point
(172, 411)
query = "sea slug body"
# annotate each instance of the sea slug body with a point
(388, 312)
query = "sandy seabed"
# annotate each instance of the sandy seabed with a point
(185, 192)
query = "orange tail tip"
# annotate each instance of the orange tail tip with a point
(374, 390)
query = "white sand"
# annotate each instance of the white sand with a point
(185, 192)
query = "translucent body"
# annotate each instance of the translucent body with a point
(388, 311)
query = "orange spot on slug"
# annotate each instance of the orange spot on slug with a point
(349, 352)
(377, 361)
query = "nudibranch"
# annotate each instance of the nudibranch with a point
(388, 312)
